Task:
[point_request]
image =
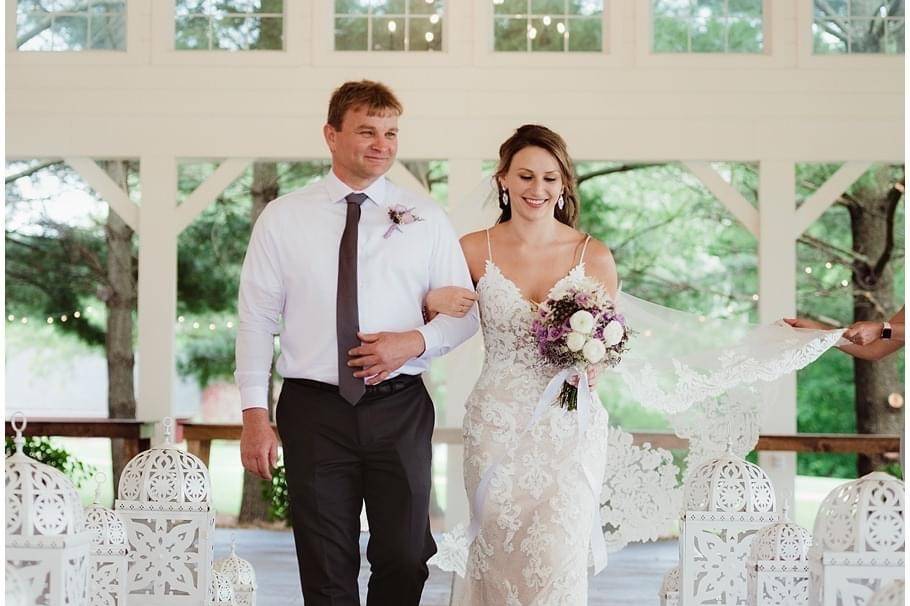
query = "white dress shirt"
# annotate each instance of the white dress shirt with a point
(289, 282)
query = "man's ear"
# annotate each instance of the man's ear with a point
(329, 133)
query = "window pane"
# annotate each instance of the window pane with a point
(388, 7)
(247, 6)
(188, 7)
(671, 8)
(191, 33)
(108, 32)
(69, 33)
(894, 36)
(510, 34)
(351, 33)
(33, 32)
(828, 38)
(830, 8)
(745, 36)
(545, 37)
(511, 7)
(586, 35)
(424, 35)
(586, 8)
(108, 6)
(547, 7)
(350, 7)
(745, 8)
(866, 35)
(671, 35)
(708, 8)
(426, 7)
(868, 8)
(271, 34)
(388, 34)
(708, 35)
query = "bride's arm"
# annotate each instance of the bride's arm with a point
(599, 264)
(453, 300)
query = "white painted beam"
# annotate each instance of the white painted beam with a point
(827, 194)
(777, 299)
(157, 288)
(400, 175)
(226, 173)
(109, 191)
(726, 194)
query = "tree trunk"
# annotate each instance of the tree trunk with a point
(872, 223)
(120, 301)
(253, 507)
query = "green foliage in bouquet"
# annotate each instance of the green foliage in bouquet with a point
(41, 449)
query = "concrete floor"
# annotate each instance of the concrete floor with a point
(632, 577)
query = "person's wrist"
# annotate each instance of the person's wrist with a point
(418, 343)
(886, 330)
(255, 415)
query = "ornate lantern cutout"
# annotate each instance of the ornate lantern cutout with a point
(669, 588)
(109, 554)
(240, 575)
(165, 499)
(858, 540)
(727, 500)
(778, 565)
(220, 591)
(46, 540)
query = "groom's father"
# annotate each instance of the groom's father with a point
(339, 270)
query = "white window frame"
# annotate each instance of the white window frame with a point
(612, 54)
(454, 51)
(776, 52)
(136, 50)
(850, 61)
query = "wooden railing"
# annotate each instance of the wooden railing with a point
(137, 436)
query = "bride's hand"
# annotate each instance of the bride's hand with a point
(450, 300)
(593, 376)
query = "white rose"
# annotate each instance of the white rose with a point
(575, 341)
(613, 333)
(582, 321)
(594, 351)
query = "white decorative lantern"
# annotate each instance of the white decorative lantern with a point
(727, 500)
(891, 594)
(165, 499)
(109, 555)
(15, 590)
(858, 540)
(778, 566)
(220, 591)
(669, 588)
(240, 575)
(46, 540)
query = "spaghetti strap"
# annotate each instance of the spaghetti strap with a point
(489, 246)
(584, 248)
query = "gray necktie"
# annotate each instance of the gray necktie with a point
(347, 322)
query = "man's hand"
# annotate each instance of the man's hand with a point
(258, 444)
(863, 333)
(382, 353)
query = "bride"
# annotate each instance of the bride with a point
(535, 516)
(533, 471)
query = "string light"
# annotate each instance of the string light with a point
(63, 318)
(195, 324)
(434, 19)
(392, 26)
(532, 33)
(11, 318)
(755, 297)
(561, 27)
(547, 20)
(180, 319)
(808, 270)
(76, 314)
(50, 320)
(428, 36)
(828, 265)
(844, 283)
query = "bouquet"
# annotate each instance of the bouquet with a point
(577, 327)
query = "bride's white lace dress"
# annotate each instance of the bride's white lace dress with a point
(535, 526)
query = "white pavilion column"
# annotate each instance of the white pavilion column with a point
(462, 366)
(157, 287)
(777, 299)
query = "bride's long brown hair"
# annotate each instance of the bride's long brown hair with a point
(535, 135)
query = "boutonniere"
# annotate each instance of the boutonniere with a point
(400, 215)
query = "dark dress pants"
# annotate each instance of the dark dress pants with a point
(339, 456)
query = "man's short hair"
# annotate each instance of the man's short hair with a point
(375, 96)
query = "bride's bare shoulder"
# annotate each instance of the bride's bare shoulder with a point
(600, 264)
(474, 246)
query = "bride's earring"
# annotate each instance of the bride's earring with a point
(560, 202)
(504, 197)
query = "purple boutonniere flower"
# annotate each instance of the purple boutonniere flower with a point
(400, 215)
